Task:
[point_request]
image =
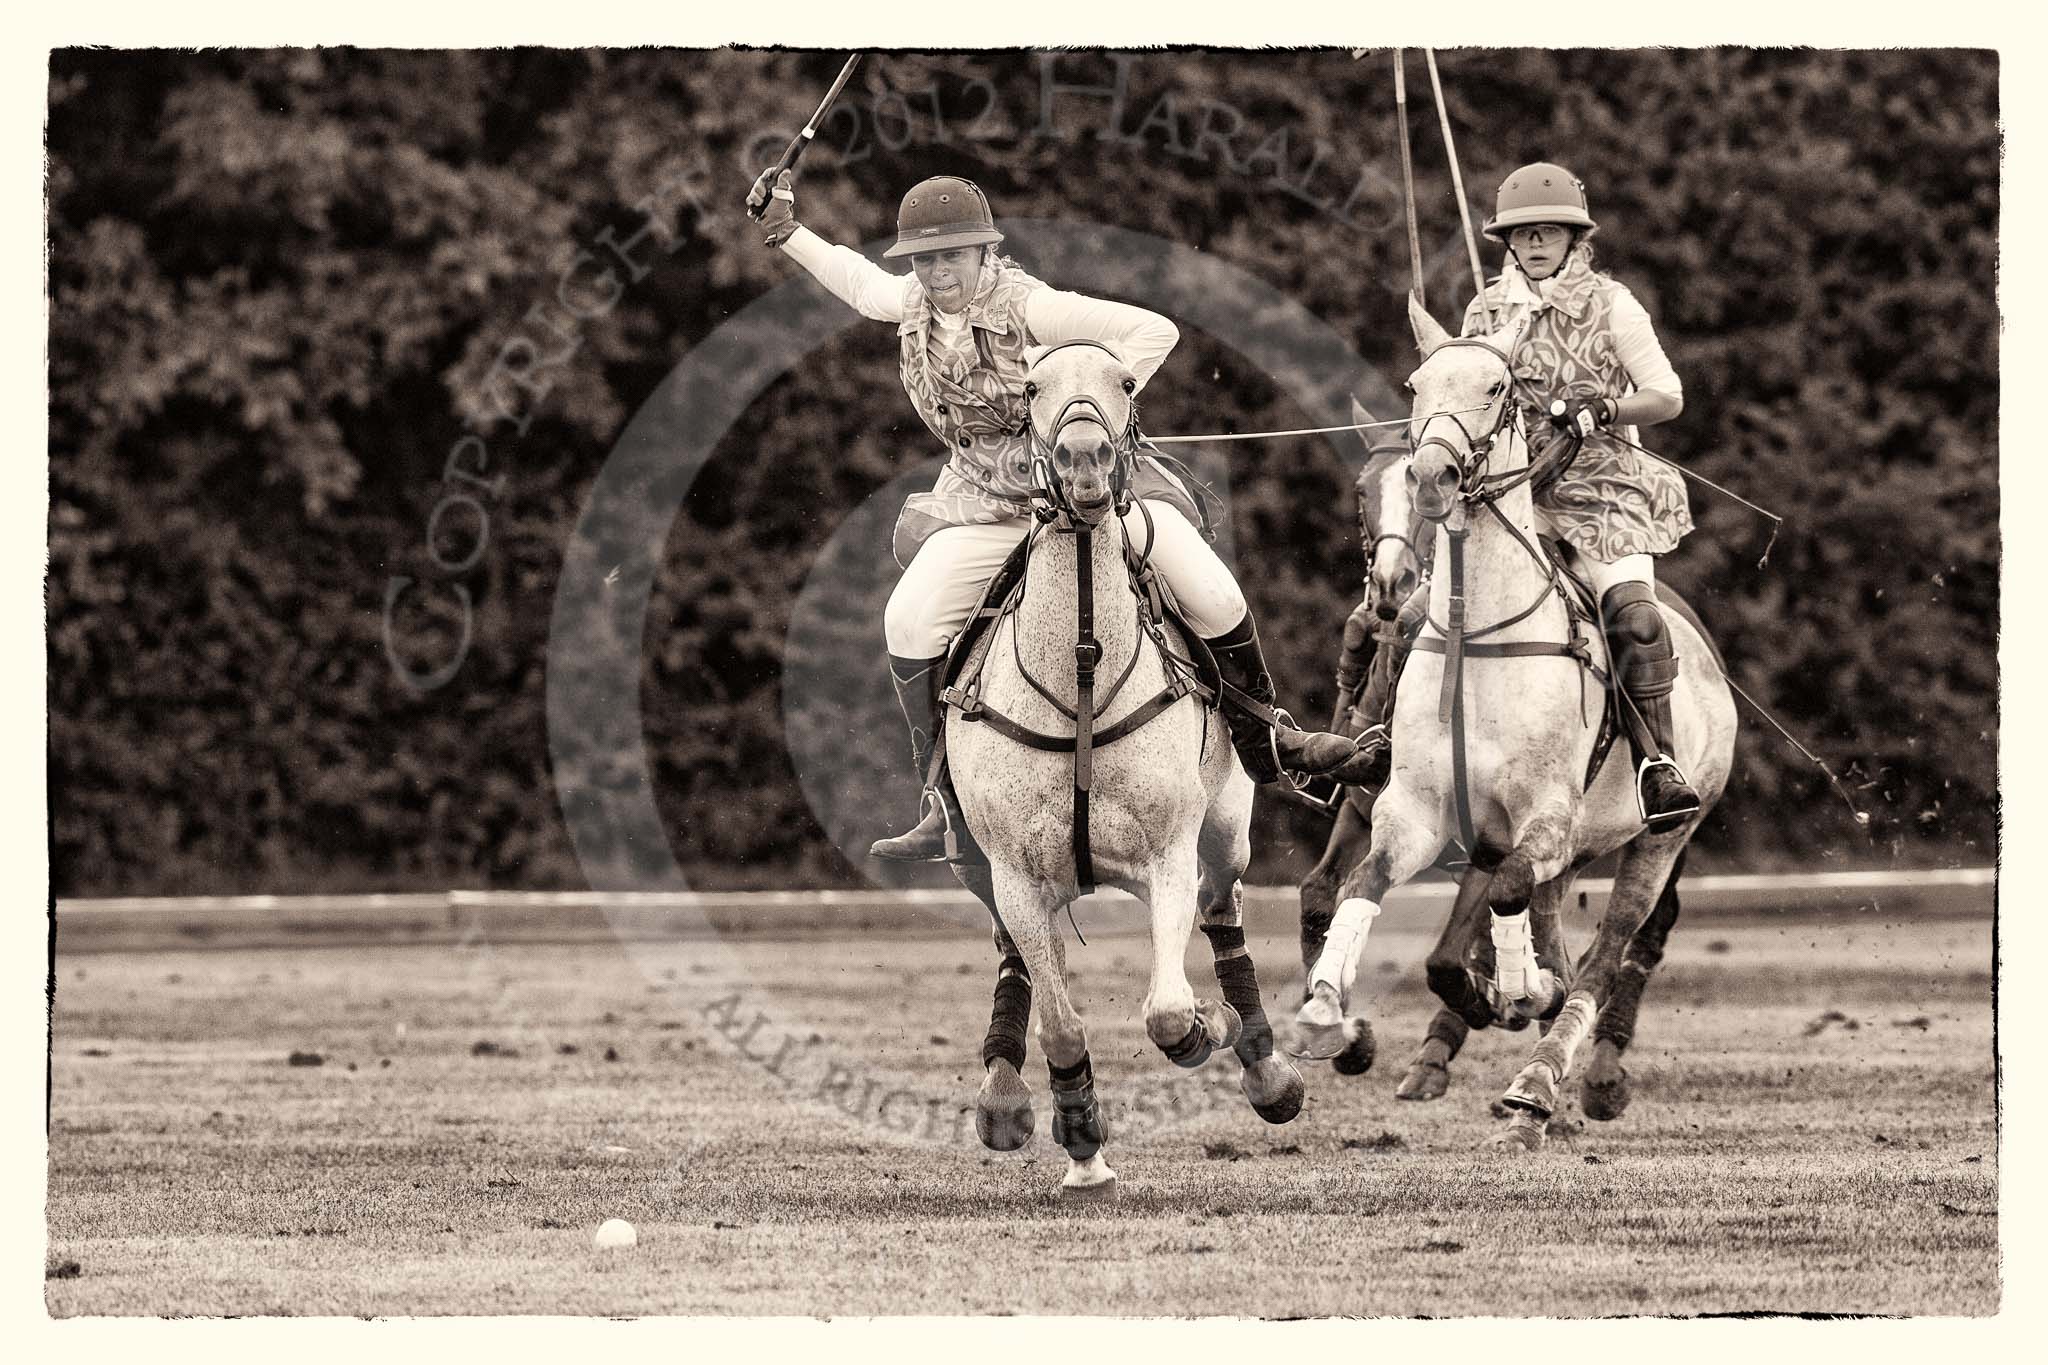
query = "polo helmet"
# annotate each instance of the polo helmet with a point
(1542, 192)
(941, 213)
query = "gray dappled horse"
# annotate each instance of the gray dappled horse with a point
(1166, 806)
(1500, 755)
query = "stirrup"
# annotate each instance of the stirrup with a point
(1663, 820)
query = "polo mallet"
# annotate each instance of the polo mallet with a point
(1458, 186)
(796, 146)
(1408, 175)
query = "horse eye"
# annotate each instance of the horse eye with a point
(1130, 386)
(1030, 392)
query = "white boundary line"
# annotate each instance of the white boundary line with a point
(1795, 886)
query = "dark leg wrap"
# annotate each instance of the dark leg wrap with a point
(1450, 1030)
(1239, 979)
(1192, 1050)
(1077, 1122)
(1010, 1017)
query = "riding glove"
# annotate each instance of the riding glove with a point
(1581, 415)
(780, 218)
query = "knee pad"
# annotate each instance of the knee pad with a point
(1633, 614)
(1642, 643)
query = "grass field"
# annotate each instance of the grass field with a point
(1813, 1130)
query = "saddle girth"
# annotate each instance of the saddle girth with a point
(1455, 643)
(964, 695)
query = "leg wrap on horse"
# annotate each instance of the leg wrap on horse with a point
(1448, 1029)
(1010, 1019)
(1239, 978)
(1077, 1122)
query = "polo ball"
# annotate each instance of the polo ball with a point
(616, 1232)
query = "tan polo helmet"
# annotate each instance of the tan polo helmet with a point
(1541, 192)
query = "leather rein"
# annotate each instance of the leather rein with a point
(1455, 640)
(1057, 516)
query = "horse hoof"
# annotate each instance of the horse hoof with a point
(1532, 1091)
(1523, 1133)
(1604, 1095)
(1224, 1024)
(1319, 1027)
(1002, 1109)
(1424, 1081)
(1089, 1180)
(1279, 1101)
(1500, 1109)
(1359, 1048)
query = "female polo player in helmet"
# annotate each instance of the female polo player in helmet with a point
(1588, 345)
(964, 317)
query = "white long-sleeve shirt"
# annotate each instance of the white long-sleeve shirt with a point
(1142, 338)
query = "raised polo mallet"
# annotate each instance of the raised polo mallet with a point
(803, 139)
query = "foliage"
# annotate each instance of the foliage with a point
(281, 280)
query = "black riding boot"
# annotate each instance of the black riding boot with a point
(1365, 690)
(918, 682)
(1266, 749)
(1643, 659)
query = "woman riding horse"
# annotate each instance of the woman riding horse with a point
(1589, 349)
(965, 316)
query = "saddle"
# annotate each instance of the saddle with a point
(1192, 673)
(1588, 643)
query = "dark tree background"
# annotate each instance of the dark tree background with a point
(281, 280)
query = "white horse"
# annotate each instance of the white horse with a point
(1499, 755)
(1167, 807)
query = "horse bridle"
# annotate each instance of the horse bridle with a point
(1474, 484)
(1050, 499)
(1373, 539)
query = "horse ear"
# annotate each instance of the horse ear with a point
(1359, 416)
(1429, 334)
(1034, 354)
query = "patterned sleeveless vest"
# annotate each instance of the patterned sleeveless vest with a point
(974, 401)
(1612, 502)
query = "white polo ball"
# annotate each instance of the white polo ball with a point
(616, 1232)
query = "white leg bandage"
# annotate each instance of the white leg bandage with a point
(1514, 957)
(1344, 944)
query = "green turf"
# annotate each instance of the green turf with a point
(1813, 1131)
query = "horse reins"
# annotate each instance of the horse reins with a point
(1454, 640)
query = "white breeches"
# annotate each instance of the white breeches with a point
(946, 576)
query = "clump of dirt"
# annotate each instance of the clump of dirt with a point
(1224, 1151)
(552, 1223)
(611, 1054)
(1720, 945)
(97, 1052)
(1291, 1149)
(1438, 1246)
(63, 1270)
(305, 1059)
(1385, 1142)
(1918, 1021)
(1821, 1023)
(484, 1047)
(568, 1050)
